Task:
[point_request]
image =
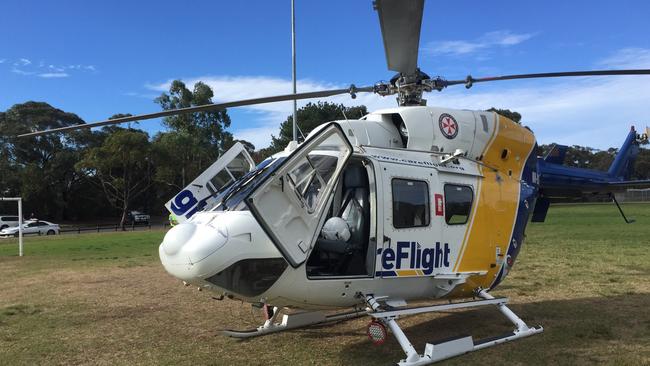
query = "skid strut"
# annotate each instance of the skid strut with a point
(292, 321)
(454, 347)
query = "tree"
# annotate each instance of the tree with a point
(642, 166)
(120, 167)
(206, 127)
(9, 179)
(178, 156)
(230, 141)
(42, 168)
(195, 140)
(590, 158)
(514, 116)
(309, 117)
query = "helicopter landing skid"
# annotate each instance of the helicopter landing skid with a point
(293, 321)
(451, 347)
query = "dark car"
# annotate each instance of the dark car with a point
(137, 218)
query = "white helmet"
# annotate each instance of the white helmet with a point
(336, 228)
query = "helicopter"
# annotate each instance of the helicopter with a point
(405, 204)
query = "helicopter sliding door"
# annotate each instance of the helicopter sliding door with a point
(291, 204)
(411, 227)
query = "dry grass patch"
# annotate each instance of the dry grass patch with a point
(589, 289)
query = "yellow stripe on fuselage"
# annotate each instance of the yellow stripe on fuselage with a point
(408, 272)
(469, 222)
(477, 199)
(498, 199)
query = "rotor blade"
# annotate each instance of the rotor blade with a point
(400, 22)
(470, 80)
(208, 107)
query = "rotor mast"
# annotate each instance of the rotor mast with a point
(400, 23)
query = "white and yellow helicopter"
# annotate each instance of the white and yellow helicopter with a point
(404, 204)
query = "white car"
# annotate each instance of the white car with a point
(7, 221)
(39, 227)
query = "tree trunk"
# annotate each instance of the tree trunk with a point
(123, 220)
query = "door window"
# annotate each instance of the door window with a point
(410, 203)
(311, 176)
(458, 203)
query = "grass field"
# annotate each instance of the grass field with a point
(105, 299)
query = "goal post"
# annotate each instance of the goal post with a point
(20, 221)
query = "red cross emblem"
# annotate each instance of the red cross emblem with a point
(448, 126)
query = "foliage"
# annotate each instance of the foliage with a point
(590, 158)
(41, 169)
(514, 116)
(194, 140)
(311, 116)
(207, 128)
(120, 167)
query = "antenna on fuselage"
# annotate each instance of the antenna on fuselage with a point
(293, 68)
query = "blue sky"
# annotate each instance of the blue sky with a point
(101, 58)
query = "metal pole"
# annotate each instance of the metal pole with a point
(293, 67)
(20, 227)
(20, 221)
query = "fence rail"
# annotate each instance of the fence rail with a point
(110, 227)
(634, 195)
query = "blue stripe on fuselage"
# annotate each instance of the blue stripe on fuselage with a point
(528, 195)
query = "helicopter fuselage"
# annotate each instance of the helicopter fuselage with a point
(437, 213)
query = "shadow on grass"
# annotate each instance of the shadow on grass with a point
(604, 330)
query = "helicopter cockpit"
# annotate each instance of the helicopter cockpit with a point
(350, 202)
(282, 204)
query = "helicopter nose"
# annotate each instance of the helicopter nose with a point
(176, 237)
(190, 243)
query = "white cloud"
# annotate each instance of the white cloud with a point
(55, 68)
(22, 62)
(81, 67)
(25, 66)
(628, 58)
(3, 60)
(140, 95)
(594, 111)
(21, 72)
(48, 75)
(501, 38)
